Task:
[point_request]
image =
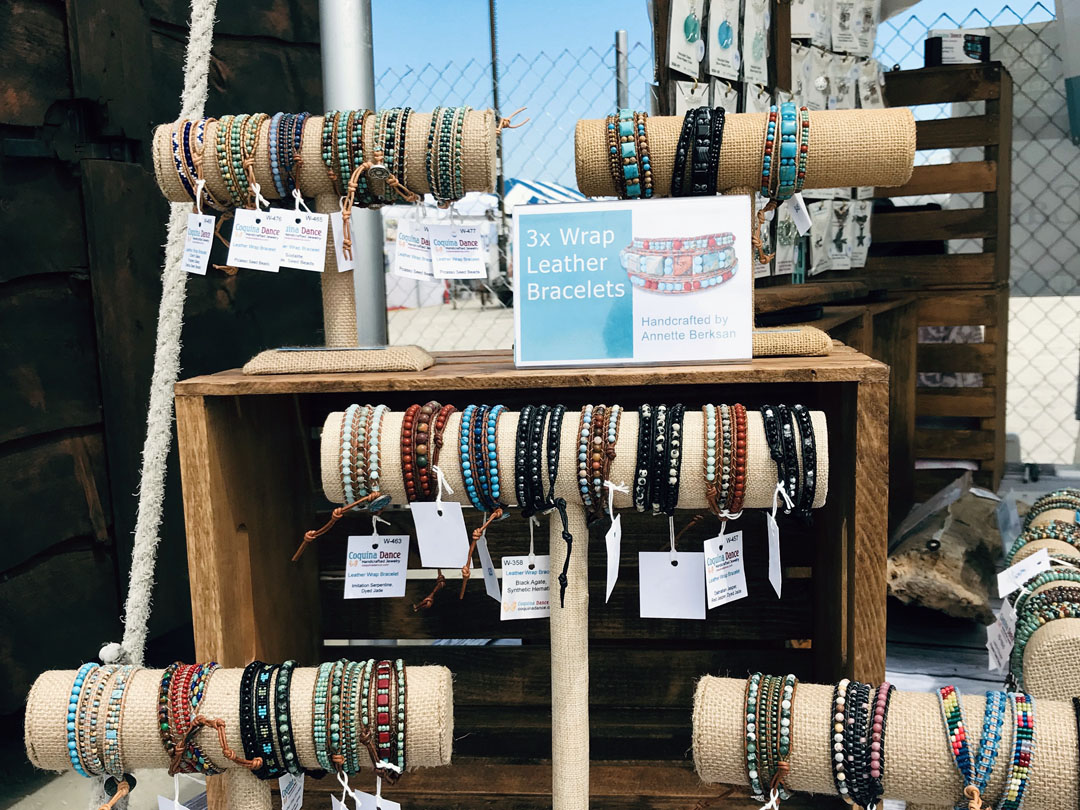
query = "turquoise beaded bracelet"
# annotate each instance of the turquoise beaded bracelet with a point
(1026, 626)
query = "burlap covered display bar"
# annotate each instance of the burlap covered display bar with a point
(570, 624)
(477, 158)
(429, 707)
(847, 148)
(918, 763)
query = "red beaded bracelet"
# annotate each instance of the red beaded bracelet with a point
(738, 467)
(408, 452)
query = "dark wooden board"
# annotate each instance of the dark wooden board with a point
(43, 233)
(51, 492)
(70, 600)
(49, 381)
(288, 21)
(964, 223)
(950, 83)
(33, 60)
(957, 132)
(942, 271)
(945, 178)
(955, 444)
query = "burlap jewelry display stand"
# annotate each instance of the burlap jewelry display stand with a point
(339, 301)
(570, 624)
(918, 763)
(847, 148)
(429, 707)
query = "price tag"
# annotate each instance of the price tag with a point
(376, 566)
(491, 582)
(1000, 637)
(776, 577)
(169, 804)
(670, 585)
(303, 243)
(456, 251)
(335, 803)
(197, 243)
(292, 791)
(412, 259)
(613, 541)
(440, 534)
(1014, 577)
(799, 215)
(725, 575)
(256, 239)
(526, 592)
(337, 228)
(365, 801)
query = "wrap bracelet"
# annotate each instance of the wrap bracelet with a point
(682, 150)
(680, 265)
(1023, 753)
(808, 490)
(642, 462)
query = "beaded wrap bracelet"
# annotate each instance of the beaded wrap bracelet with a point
(791, 458)
(74, 724)
(769, 701)
(987, 754)
(1068, 498)
(738, 467)
(1054, 530)
(875, 733)
(708, 133)
(836, 741)
(658, 454)
(112, 753)
(952, 714)
(670, 497)
(283, 716)
(808, 490)
(856, 743)
(680, 265)
(1023, 753)
(1026, 625)
(771, 423)
(682, 149)
(642, 463)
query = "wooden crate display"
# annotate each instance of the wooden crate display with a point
(249, 453)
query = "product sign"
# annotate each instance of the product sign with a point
(526, 587)
(633, 282)
(376, 566)
(457, 251)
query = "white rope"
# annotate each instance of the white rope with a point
(159, 417)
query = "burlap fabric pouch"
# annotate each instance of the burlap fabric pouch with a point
(791, 341)
(289, 361)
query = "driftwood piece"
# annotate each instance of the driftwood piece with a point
(948, 562)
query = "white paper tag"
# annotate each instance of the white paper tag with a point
(725, 575)
(799, 214)
(457, 251)
(1000, 637)
(776, 577)
(670, 585)
(169, 804)
(412, 256)
(613, 541)
(197, 243)
(335, 803)
(526, 592)
(1008, 520)
(1014, 577)
(256, 239)
(292, 791)
(491, 582)
(440, 534)
(303, 243)
(365, 801)
(376, 566)
(1007, 617)
(337, 228)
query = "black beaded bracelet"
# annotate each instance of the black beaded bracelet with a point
(522, 469)
(682, 149)
(263, 720)
(699, 163)
(772, 437)
(791, 457)
(658, 457)
(856, 741)
(554, 442)
(643, 463)
(808, 490)
(715, 142)
(247, 709)
(670, 497)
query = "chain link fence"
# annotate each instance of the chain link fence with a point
(1044, 311)
(538, 164)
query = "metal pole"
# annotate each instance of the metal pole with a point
(622, 71)
(500, 228)
(348, 73)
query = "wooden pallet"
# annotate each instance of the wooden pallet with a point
(249, 457)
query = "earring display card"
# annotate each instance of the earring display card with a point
(686, 48)
(820, 218)
(821, 24)
(758, 99)
(839, 238)
(755, 41)
(633, 282)
(725, 59)
(725, 95)
(870, 82)
(801, 20)
(860, 231)
(689, 95)
(844, 39)
(867, 13)
(843, 73)
(800, 71)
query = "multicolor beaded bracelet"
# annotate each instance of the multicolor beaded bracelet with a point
(856, 740)
(767, 173)
(711, 439)
(615, 155)
(808, 491)
(74, 722)
(1027, 596)
(1026, 625)
(89, 706)
(426, 462)
(583, 456)
(952, 714)
(1023, 755)
(752, 738)
(1068, 498)
(112, 753)
(670, 495)
(792, 473)
(642, 463)
(836, 741)
(680, 265)
(804, 148)
(631, 171)
(644, 160)
(876, 753)
(1054, 530)
(788, 153)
